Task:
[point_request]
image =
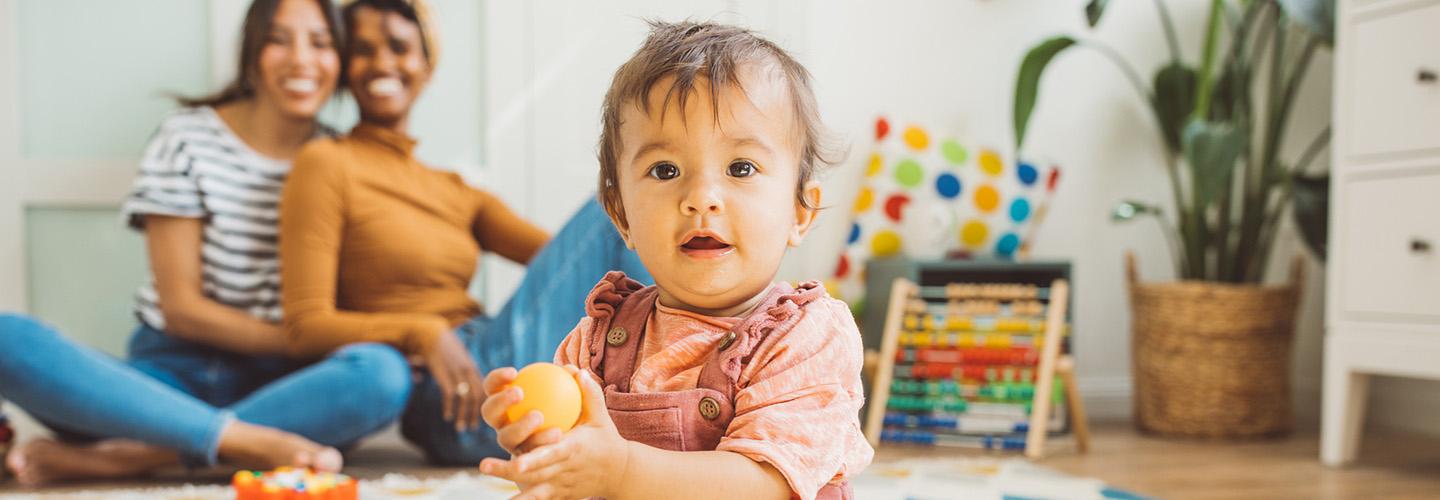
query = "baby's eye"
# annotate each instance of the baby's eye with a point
(742, 168)
(664, 171)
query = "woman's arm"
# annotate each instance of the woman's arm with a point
(174, 247)
(500, 230)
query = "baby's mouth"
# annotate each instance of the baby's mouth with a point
(706, 247)
(705, 243)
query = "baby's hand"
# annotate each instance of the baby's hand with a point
(584, 462)
(516, 437)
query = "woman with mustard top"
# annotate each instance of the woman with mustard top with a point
(379, 247)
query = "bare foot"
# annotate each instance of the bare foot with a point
(46, 461)
(253, 446)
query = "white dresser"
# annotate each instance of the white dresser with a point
(1383, 296)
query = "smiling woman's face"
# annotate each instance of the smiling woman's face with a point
(388, 67)
(298, 65)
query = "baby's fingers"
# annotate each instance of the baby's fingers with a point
(543, 438)
(497, 379)
(499, 467)
(506, 469)
(495, 405)
(511, 436)
(543, 458)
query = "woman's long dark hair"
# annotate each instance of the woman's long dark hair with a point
(255, 33)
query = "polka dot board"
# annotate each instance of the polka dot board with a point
(927, 194)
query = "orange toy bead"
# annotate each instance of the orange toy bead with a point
(552, 391)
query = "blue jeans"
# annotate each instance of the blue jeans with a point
(180, 395)
(548, 304)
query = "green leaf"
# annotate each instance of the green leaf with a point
(1231, 90)
(1174, 98)
(1318, 16)
(1312, 208)
(1027, 83)
(1212, 148)
(1094, 10)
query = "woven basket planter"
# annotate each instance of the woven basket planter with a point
(1212, 359)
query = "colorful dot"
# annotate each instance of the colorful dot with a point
(832, 288)
(885, 243)
(916, 138)
(1007, 245)
(1027, 173)
(854, 233)
(895, 206)
(842, 268)
(909, 173)
(882, 128)
(877, 163)
(947, 185)
(973, 234)
(990, 162)
(987, 198)
(864, 200)
(1019, 210)
(954, 152)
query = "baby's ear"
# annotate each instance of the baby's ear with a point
(805, 215)
(623, 229)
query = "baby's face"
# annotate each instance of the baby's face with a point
(710, 203)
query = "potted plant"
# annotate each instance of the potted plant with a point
(1211, 353)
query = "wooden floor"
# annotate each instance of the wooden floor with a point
(1392, 465)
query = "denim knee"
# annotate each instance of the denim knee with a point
(25, 339)
(383, 381)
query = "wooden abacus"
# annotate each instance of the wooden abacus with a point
(910, 316)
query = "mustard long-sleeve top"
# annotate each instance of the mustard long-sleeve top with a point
(377, 247)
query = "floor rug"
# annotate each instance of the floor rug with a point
(912, 479)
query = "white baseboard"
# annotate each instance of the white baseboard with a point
(1411, 405)
(1106, 398)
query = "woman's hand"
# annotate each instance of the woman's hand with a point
(454, 371)
(581, 463)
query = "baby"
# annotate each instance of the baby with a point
(717, 382)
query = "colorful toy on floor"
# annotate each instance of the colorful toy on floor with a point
(926, 195)
(974, 366)
(552, 391)
(286, 483)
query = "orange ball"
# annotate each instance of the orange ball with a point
(552, 391)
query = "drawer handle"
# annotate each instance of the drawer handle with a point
(1426, 75)
(1418, 245)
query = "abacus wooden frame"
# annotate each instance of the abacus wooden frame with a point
(1051, 364)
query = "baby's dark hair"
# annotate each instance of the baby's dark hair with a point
(690, 51)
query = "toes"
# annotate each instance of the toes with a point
(15, 460)
(327, 460)
(302, 459)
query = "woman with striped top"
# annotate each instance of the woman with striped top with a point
(207, 377)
